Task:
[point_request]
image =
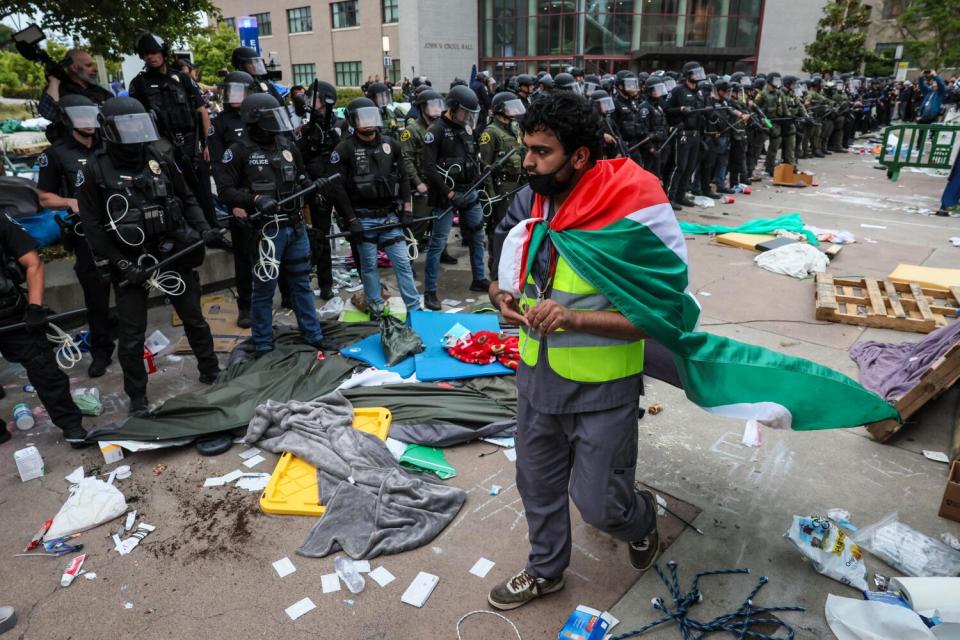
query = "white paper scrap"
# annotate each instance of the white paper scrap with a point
(299, 608)
(131, 518)
(254, 461)
(511, 454)
(89, 575)
(75, 476)
(253, 481)
(284, 567)
(381, 576)
(936, 456)
(233, 475)
(449, 302)
(330, 582)
(216, 481)
(362, 566)
(249, 453)
(871, 226)
(482, 567)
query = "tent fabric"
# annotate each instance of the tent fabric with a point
(790, 222)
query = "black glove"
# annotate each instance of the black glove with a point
(356, 231)
(212, 237)
(267, 205)
(463, 201)
(406, 219)
(132, 273)
(36, 318)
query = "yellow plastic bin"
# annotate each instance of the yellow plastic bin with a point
(293, 488)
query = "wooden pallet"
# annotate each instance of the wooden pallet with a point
(871, 302)
(941, 375)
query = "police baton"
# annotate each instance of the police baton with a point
(66, 315)
(166, 262)
(669, 138)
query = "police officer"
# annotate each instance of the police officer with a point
(683, 108)
(177, 104)
(451, 165)
(321, 135)
(375, 191)
(20, 263)
(499, 138)
(820, 109)
(738, 139)
(430, 106)
(382, 97)
(775, 108)
(248, 60)
(653, 125)
(525, 85)
(56, 185)
(627, 113)
(227, 129)
(794, 113)
(136, 210)
(566, 82)
(260, 169)
(603, 104)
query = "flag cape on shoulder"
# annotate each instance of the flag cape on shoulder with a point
(617, 230)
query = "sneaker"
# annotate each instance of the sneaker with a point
(643, 553)
(77, 437)
(98, 367)
(446, 258)
(520, 589)
(209, 378)
(482, 285)
(431, 302)
(243, 319)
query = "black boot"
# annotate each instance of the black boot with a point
(446, 258)
(99, 366)
(431, 302)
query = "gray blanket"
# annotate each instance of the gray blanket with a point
(373, 506)
(892, 369)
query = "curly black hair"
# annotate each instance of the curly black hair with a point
(568, 116)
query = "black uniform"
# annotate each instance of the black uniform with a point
(174, 98)
(48, 106)
(714, 143)
(653, 124)
(226, 129)
(626, 116)
(58, 174)
(162, 217)
(688, 138)
(28, 348)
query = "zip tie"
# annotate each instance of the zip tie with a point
(68, 352)
(112, 224)
(492, 613)
(267, 267)
(413, 251)
(167, 282)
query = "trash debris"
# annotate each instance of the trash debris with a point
(936, 456)
(506, 442)
(75, 476)
(159, 468)
(854, 619)
(482, 567)
(752, 436)
(586, 623)
(89, 575)
(284, 567)
(23, 417)
(828, 548)
(29, 388)
(250, 463)
(131, 518)
(332, 309)
(420, 589)
(249, 453)
(842, 518)
(511, 454)
(128, 605)
(704, 202)
(124, 547)
(950, 540)
(330, 582)
(871, 226)
(111, 452)
(655, 408)
(255, 482)
(92, 502)
(836, 236)
(797, 260)
(38, 536)
(299, 608)
(29, 463)
(398, 339)
(72, 570)
(432, 459)
(349, 574)
(123, 472)
(925, 594)
(908, 550)
(381, 576)
(495, 490)
(156, 342)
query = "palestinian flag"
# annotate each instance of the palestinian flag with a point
(617, 230)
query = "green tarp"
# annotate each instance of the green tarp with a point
(790, 222)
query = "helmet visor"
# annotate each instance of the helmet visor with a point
(658, 90)
(604, 105)
(669, 83)
(135, 128)
(433, 108)
(367, 118)
(590, 87)
(746, 82)
(776, 82)
(466, 117)
(256, 67)
(82, 117)
(697, 74)
(234, 92)
(853, 84)
(382, 98)
(631, 85)
(513, 108)
(275, 120)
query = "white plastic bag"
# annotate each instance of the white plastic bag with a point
(798, 260)
(854, 619)
(829, 549)
(92, 502)
(332, 309)
(908, 550)
(704, 202)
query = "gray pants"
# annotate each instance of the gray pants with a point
(590, 458)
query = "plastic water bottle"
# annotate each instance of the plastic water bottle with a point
(727, 200)
(23, 417)
(349, 574)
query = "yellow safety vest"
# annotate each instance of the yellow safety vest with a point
(577, 356)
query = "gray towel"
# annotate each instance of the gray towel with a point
(374, 507)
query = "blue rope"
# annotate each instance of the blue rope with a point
(738, 622)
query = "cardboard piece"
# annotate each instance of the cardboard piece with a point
(221, 314)
(927, 277)
(743, 240)
(785, 176)
(950, 505)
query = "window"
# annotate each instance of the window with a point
(344, 14)
(393, 72)
(299, 20)
(231, 22)
(263, 23)
(348, 74)
(893, 8)
(391, 11)
(303, 74)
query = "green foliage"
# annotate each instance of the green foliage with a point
(882, 65)
(112, 26)
(344, 96)
(841, 34)
(20, 78)
(930, 29)
(6, 38)
(212, 49)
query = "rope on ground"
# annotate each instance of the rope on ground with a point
(492, 613)
(738, 622)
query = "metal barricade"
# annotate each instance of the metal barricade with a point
(918, 145)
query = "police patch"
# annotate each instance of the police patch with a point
(154, 166)
(405, 135)
(334, 158)
(79, 180)
(428, 139)
(287, 155)
(212, 130)
(484, 138)
(227, 156)
(386, 148)
(43, 160)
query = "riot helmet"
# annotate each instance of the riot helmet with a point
(236, 86)
(627, 83)
(430, 103)
(78, 112)
(151, 43)
(380, 94)
(508, 105)
(655, 87)
(566, 82)
(463, 106)
(247, 59)
(261, 110)
(363, 114)
(602, 102)
(693, 72)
